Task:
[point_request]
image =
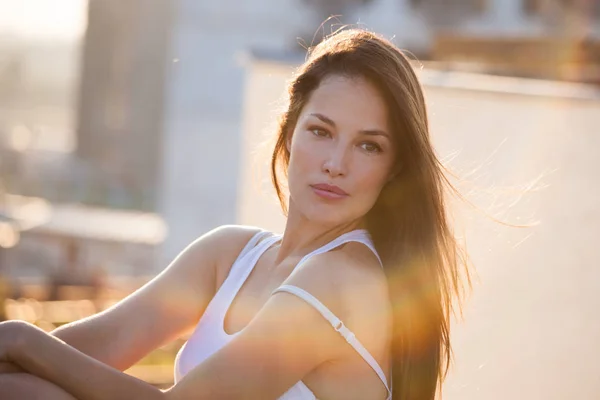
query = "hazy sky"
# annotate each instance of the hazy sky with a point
(43, 19)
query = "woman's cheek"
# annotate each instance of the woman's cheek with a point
(302, 154)
(371, 180)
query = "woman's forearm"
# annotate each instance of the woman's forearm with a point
(95, 339)
(9, 368)
(84, 377)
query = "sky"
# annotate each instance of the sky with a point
(54, 20)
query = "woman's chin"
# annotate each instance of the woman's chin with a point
(326, 217)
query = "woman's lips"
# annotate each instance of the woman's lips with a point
(329, 192)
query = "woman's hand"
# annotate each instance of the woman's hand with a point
(13, 336)
(47, 357)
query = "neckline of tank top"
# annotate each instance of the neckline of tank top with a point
(280, 235)
(256, 257)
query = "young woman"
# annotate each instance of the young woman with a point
(352, 301)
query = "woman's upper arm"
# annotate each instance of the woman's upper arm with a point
(286, 340)
(162, 309)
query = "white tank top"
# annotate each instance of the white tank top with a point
(210, 336)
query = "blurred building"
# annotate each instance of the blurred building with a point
(161, 102)
(160, 83)
(159, 117)
(121, 101)
(415, 24)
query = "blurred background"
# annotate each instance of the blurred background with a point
(128, 128)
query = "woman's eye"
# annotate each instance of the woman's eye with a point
(319, 132)
(371, 147)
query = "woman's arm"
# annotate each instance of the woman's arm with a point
(49, 358)
(163, 309)
(27, 386)
(281, 345)
(9, 368)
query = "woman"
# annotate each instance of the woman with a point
(366, 242)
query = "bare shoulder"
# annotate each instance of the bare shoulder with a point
(226, 234)
(348, 272)
(224, 244)
(352, 284)
(224, 241)
(201, 263)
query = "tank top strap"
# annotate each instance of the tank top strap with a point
(243, 266)
(254, 240)
(358, 235)
(338, 326)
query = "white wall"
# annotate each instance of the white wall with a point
(528, 152)
(203, 107)
(263, 100)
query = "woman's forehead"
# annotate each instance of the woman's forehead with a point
(348, 100)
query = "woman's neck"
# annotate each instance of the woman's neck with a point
(301, 236)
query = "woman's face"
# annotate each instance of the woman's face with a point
(341, 152)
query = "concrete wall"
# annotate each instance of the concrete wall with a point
(527, 153)
(199, 177)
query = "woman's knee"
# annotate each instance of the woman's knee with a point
(25, 386)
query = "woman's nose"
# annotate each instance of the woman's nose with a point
(336, 162)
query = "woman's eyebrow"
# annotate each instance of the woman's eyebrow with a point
(376, 132)
(370, 132)
(323, 118)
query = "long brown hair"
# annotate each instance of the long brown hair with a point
(408, 224)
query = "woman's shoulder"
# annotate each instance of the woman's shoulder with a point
(350, 280)
(349, 266)
(364, 293)
(236, 229)
(228, 235)
(220, 243)
(225, 244)
(227, 240)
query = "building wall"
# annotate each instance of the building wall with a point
(121, 102)
(414, 23)
(526, 153)
(201, 143)
(170, 131)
